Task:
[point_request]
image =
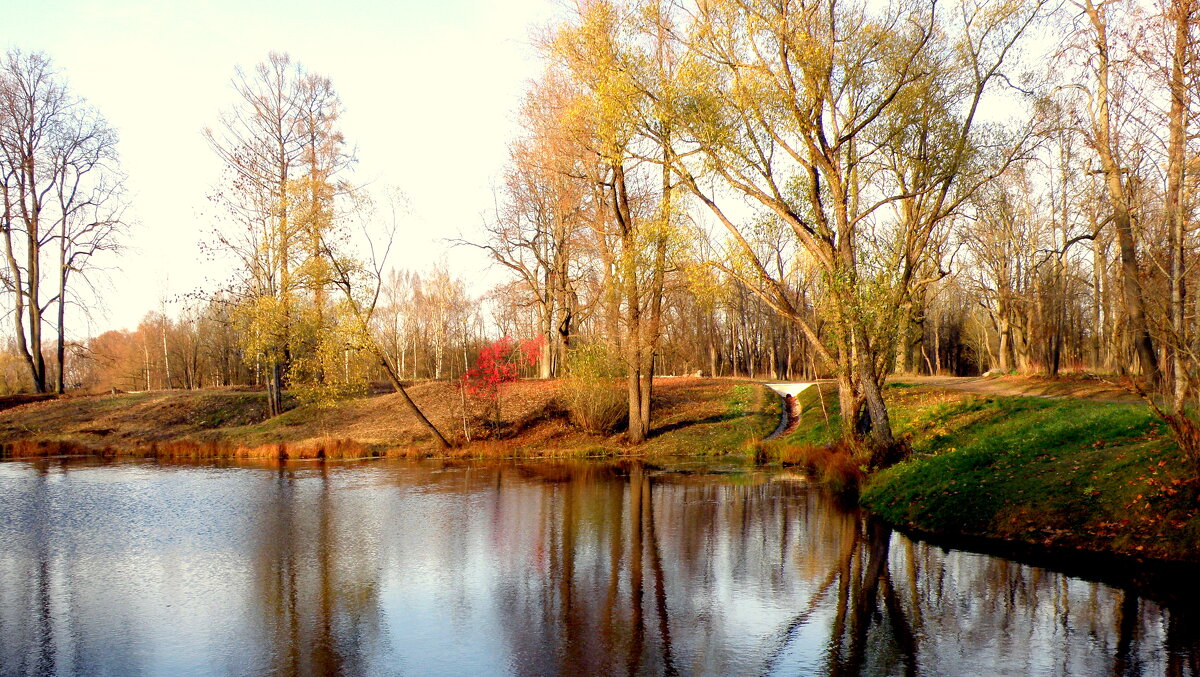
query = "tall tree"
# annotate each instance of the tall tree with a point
(282, 152)
(799, 106)
(1181, 16)
(618, 56)
(1118, 179)
(62, 199)
(361, 284)
(540, 216)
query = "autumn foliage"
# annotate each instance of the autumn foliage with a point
(498, 363)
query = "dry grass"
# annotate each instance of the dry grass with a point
(181, 450)
(835, 464)
(691, 416)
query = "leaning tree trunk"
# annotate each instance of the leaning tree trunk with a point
(1119, 200)
(408, 401)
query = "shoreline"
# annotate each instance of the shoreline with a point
(1035, 477)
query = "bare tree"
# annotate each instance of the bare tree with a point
(1118, 179)
(62, 194)
(541, 212)
(361, 284)
(1180, 16)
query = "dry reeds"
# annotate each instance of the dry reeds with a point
(339, 449)
(45, 449)
(324, 449)
(329, 449)
(834, 465)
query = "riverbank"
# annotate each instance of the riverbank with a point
(692, 416)
(1070, 467)
(1086, 475)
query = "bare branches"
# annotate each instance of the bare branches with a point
(63, 198)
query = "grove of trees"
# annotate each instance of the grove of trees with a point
(783, 189)
(852, 189)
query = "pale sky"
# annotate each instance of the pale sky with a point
(430, 90)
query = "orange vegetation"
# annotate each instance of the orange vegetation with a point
(833, 464)
(192, 450)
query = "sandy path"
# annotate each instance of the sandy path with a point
(1096, 391)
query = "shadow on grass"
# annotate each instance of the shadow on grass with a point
(687, 423)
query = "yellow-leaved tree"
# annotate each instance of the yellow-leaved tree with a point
(282, 153)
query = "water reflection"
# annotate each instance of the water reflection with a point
(523, 569)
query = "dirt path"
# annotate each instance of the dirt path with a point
(1026, 386)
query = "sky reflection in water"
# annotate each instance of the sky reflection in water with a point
(522, 569)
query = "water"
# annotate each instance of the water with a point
(522, 569)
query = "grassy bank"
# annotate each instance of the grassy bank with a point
(692, 417)
(1071, 473)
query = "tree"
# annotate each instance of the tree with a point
(800, 107)
(62, 195)
(1180, 17)
(282, 152)
(540, 217)
(815, 120)
(1118, 180)
(498, 363)
(619, 57)
(361, 287)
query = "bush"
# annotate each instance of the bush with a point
(498, 363)
(592, 395)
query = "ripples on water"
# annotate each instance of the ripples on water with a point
(522, 569)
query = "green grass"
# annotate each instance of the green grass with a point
(750, 412)
(819, 425)
(1073, 473)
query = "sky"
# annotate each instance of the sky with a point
(430, 90)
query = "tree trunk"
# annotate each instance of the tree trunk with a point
(166, 353)
(408, 402)
(1119, 200)
(275, 390)
(1005, 331)
(712, 354)
(1097, 273)
(903, 361)
(1178, 116)
(60, 381)
(869, 384)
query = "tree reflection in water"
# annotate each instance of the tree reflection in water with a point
(833, 593)
(527, 569)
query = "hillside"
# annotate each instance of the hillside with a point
(692, 416)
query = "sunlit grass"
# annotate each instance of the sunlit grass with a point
(1073, 473)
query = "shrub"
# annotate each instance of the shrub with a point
(499, 363)
(592, 395)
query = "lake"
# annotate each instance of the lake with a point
(430, 568)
